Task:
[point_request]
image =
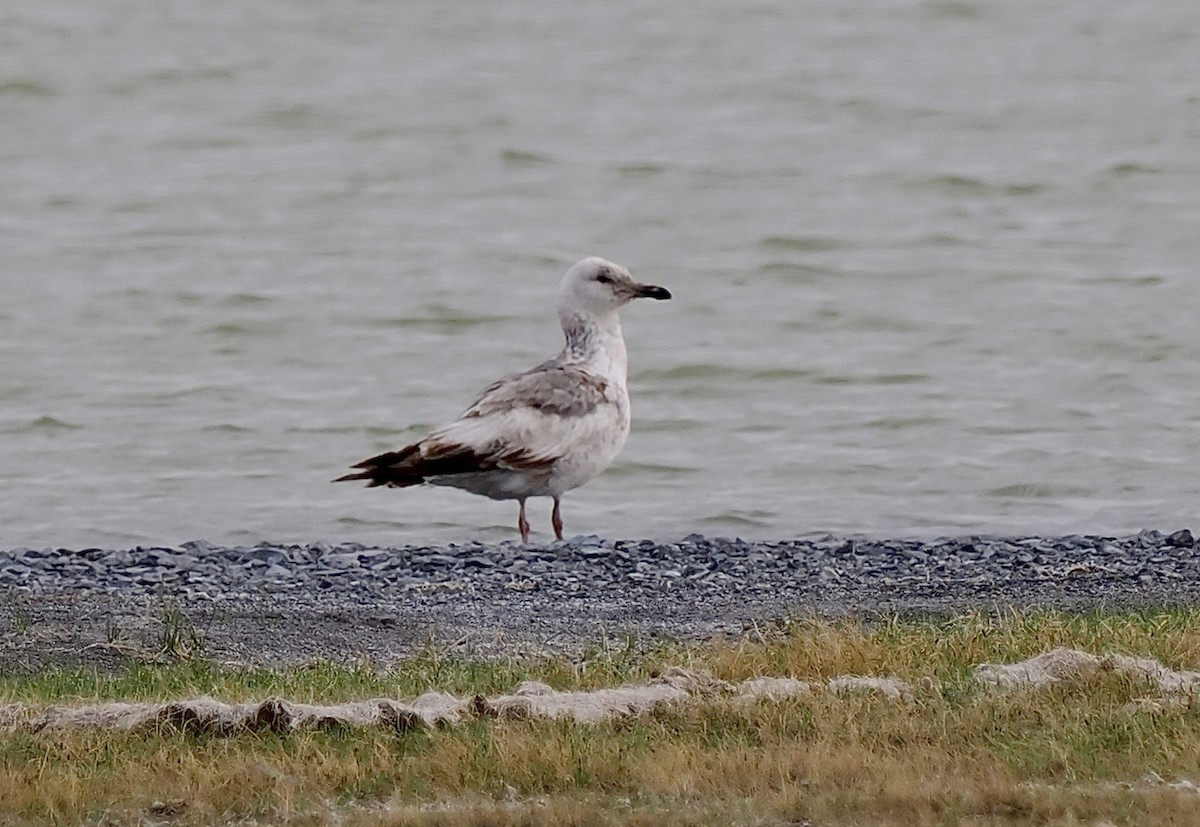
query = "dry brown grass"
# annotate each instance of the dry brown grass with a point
(950, 753)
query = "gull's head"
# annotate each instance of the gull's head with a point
(599, 287)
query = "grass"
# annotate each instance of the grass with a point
(951, 753)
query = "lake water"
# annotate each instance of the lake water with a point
(936, 265)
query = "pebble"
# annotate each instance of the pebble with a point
(693, 568)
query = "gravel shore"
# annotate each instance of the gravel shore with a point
(277, 604)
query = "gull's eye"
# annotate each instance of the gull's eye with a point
(603, 277)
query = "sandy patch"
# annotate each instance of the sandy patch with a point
(209, 715)
(1060, 665)
(532, 699)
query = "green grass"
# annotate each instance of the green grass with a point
(952, 752)
(141, 680)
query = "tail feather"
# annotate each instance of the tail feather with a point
(395, 468)
(400, 469)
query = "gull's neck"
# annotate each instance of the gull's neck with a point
(595, 341)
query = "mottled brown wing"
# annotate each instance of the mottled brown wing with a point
(523, 422)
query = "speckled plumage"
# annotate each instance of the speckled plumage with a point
(544, 431)
(553, 387)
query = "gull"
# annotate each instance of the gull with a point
(546, 430)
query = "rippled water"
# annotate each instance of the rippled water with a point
(935, 263)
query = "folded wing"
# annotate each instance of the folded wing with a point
(524, 422)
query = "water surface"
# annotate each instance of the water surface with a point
(935, 263)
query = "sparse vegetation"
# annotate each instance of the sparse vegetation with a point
(951, 752)
(178, 637)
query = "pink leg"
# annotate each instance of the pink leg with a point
(522, 523)
(556, 521)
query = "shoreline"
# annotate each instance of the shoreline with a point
(285, 605)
